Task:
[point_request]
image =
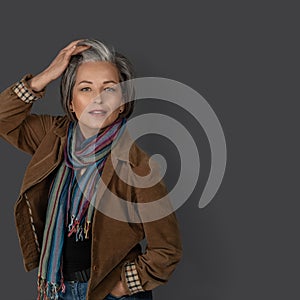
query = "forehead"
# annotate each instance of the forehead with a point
(97, 72)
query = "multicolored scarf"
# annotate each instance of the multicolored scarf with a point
(71, 193)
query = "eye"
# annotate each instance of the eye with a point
(110, 89)
(85, 89)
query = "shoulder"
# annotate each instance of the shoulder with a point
(60, 125)
(128, 151)
(137, 162)
(140, 160)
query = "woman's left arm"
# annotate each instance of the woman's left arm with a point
(164, 248)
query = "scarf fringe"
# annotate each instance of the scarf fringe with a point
(81, 231)
(49, 290)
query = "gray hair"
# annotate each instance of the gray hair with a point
(97, 52)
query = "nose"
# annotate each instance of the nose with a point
(98, 99)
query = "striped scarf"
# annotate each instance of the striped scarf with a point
(70, 195)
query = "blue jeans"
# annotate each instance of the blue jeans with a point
(74, 291)
(77, 291)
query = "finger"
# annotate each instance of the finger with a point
(75, 48)
(72, 44)
(79, 49)
(73, 51)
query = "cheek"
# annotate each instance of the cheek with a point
(76, 109)
(79, 106)
(116, 105)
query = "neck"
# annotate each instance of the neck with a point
(88, 132)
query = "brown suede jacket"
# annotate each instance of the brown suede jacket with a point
(114, 243)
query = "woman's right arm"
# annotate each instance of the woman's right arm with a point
(17, 126)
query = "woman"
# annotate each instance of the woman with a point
(80, 251)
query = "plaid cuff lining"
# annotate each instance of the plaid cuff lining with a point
(23, 93)
(132, 278)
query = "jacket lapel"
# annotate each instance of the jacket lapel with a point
(106, 227)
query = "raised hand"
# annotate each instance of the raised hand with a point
(57, 66)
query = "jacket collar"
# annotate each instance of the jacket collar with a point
(42, 166)
(120, 150)
(61, 126)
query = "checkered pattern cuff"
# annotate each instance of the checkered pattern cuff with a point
(132, 278)
(23, 93)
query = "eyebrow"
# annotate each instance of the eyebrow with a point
(85, 81)
(104, 82)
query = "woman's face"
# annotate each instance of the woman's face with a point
(97, 96)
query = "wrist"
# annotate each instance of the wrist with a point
(24, 91)
(39, 82)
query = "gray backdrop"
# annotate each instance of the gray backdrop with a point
(243, 58)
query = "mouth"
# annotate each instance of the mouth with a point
(97, 112)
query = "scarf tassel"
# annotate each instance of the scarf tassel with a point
(81, 232)
(87, 226)
(49, 290)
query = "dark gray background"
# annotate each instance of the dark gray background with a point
(243, 58)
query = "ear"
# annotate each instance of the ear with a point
(71, 107)
(121, 108)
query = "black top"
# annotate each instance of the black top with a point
(76, 255)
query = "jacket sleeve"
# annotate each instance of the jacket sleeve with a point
(164, 250)
(18, 127)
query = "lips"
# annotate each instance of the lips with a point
(97, 112)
